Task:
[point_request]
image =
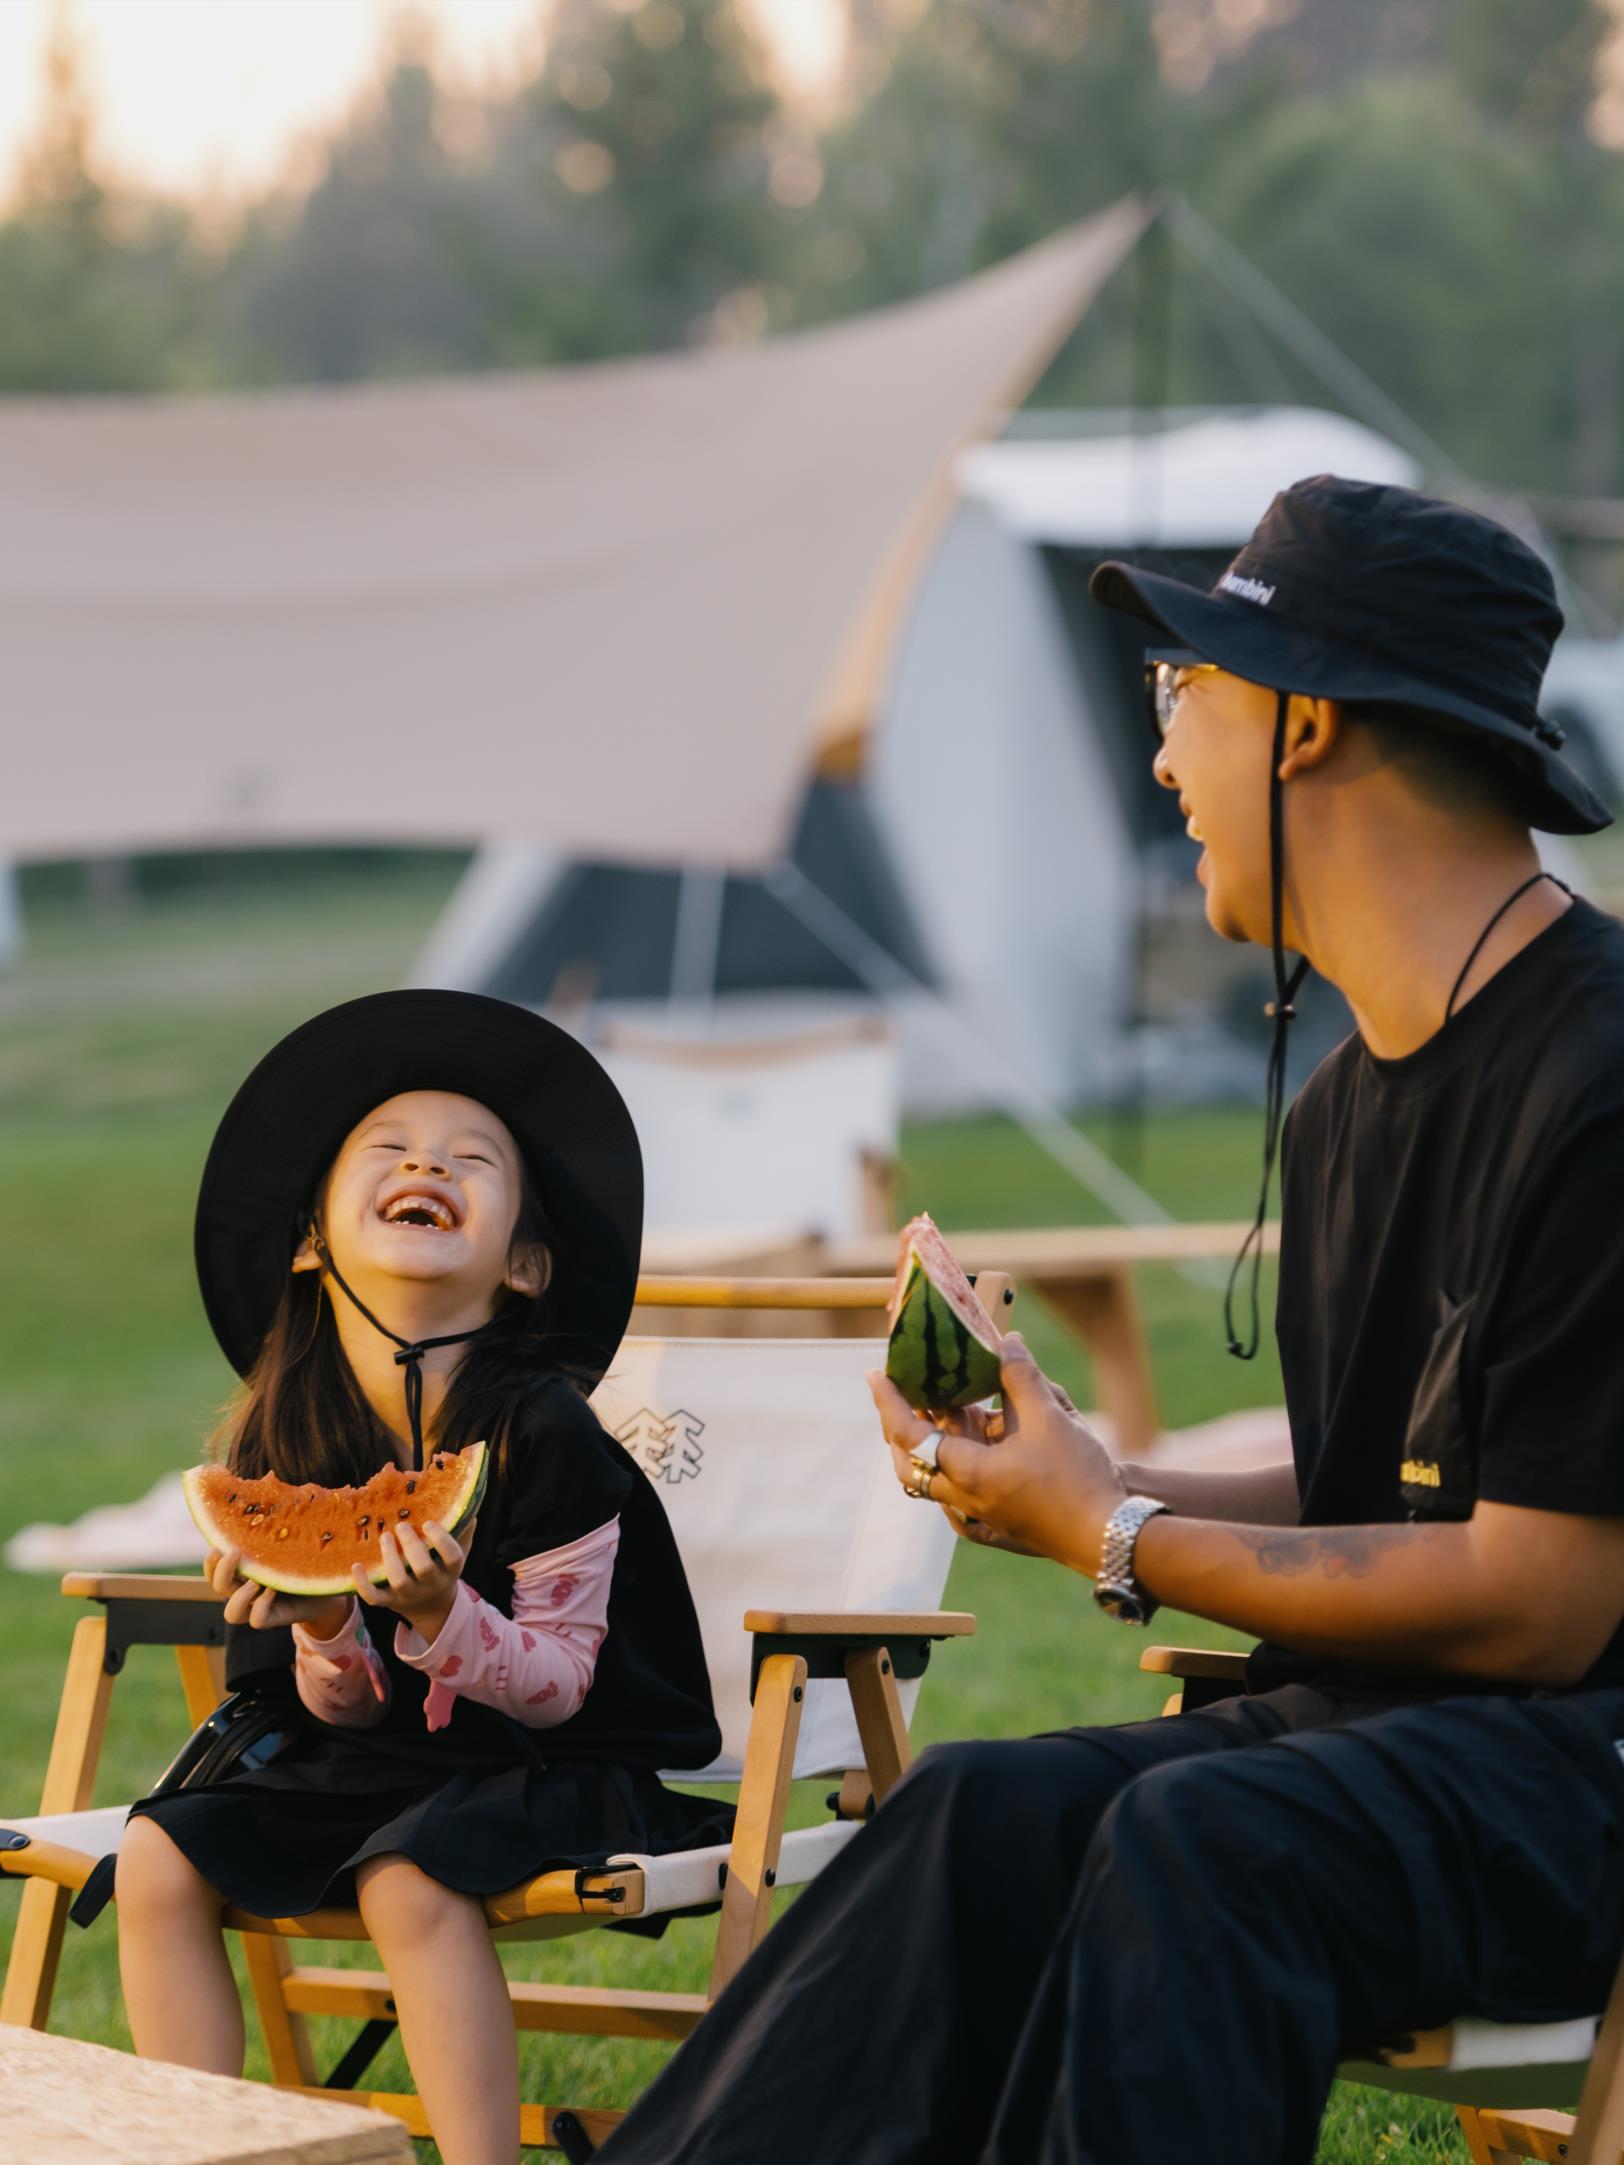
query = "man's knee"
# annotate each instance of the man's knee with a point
(1229, 1831)
(1037, 1800)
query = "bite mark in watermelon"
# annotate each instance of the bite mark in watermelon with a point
(944, 1349)
(301, 1538)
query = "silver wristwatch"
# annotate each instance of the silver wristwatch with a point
(1116, 1589)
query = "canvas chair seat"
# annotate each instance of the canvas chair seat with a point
(767, 1458)
(691, 1880)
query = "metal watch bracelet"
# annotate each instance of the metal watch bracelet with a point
(1116, 1589)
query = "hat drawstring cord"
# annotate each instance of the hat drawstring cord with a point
(1281, 1012)
(410, 1353)
(1516, 895)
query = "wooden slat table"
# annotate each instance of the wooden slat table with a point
(67, 2103)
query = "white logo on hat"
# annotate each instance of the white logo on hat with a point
(1235, 582)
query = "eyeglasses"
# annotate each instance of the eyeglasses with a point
(1168, 671)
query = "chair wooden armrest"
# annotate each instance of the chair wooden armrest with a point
(28, 1857)
(861, 1624)
(1222, 1666)
(138, 1586)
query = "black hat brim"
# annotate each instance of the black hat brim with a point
(284, 1127)
(1248, 642)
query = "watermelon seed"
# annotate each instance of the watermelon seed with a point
(411, 1488)
(404, 1512)
(325, 1539)
(282, 1533)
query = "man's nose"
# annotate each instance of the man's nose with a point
(1162, 767)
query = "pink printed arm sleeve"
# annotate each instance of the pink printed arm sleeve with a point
(536, 1665)
(341, 1680)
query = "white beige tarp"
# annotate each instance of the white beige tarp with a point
(622, 609)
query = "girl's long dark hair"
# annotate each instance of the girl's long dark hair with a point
(301, 1414)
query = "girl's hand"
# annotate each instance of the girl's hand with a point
(1036, 1479)
(423, 1571)
(264, 1607)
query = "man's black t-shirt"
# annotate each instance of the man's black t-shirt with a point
(1451, 1307)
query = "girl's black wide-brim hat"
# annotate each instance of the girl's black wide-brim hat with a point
(284, 1126)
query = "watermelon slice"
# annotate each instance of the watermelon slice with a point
(944, 1349)
(302, 1538)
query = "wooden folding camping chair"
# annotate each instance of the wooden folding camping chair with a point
(768, 1459)
(1544, 2066)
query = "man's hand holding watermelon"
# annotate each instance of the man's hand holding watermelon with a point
(1032, 1478)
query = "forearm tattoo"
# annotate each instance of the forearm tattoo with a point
(1341, 1552)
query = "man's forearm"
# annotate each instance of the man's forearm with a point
(1251, 1496)
(1411, 1596)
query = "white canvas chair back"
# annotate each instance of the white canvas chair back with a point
(768, 1457)
(782, 1136)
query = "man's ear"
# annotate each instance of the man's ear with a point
(529, 1271)
(305, 1256)
(1313, 731)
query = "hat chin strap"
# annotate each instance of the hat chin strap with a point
(1281, 1012)
(411, 1350)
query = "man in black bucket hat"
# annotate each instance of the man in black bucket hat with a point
(1156, 1940)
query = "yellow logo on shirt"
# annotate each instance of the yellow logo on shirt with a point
(1420, 1473)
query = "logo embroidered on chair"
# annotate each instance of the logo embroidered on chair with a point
(666, 1445)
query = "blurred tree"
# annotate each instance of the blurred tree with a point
(1533, 69)
(653, 152)
(96, 289)
(989, 124)
(363, 278)
(1411, 233)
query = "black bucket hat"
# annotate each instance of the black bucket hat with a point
(1361, 591)
(284, 1126)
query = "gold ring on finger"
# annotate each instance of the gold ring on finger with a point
(924, 1452)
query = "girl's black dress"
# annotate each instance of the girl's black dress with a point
(485, 1802)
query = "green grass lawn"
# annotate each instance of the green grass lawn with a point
(119, 1044)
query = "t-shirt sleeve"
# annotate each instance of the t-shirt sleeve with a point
(1551, 1426)
(564, 1480)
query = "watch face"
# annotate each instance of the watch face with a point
(1122, 1603)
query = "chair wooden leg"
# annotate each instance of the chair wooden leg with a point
(1471, 2128)
(286, 2034)
(1598, 2129)
(769, 1758)
(202, 1679)
(69, 1777)
(1506, 2138)
(1104, 1314)
(886, 1749)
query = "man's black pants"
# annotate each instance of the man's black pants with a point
(1155, 1941)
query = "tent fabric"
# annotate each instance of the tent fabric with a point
(617, 608)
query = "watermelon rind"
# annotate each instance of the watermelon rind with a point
(935, 1360)
(474, 1466)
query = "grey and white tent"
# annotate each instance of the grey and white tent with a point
(990, 853)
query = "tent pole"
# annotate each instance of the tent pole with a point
(1359, 393)
(1031, 1111)
(1321, 355)
(696, 943)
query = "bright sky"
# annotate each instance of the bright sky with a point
(201, 94)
